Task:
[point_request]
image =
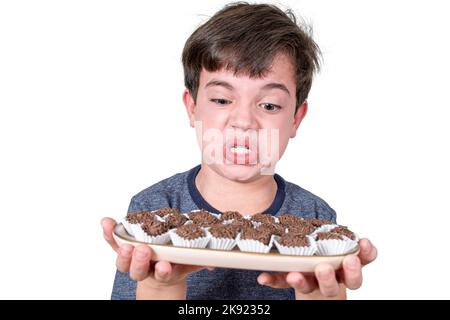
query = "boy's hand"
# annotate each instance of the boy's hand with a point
(137, 261)
(325, 282)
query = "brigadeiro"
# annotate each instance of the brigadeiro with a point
(255, 240)
(133, 220)
(333, 243)
(189, 235)
(296, 244)
(203, 218)
(154, 232)
(222, 236)
(263, 218)
(175, 220)
(228, 216)
(289, 220)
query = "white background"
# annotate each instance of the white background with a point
(91, 113)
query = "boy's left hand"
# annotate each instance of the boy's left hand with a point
(325, 280)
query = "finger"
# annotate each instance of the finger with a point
(163, 271)
(326, 279)
(124, 254)
(301, 283)
(140, 263)
(368, 251)
(352, 272)
(184, 269)
(274, 280)
(108, 226)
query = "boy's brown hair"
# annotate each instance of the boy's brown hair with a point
(245, 38)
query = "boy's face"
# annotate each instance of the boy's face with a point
(231, 112)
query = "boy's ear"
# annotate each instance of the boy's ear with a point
(189, 103)
(298, 117)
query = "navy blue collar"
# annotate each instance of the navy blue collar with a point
(202, 204)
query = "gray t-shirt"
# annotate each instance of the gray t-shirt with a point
(179, 191)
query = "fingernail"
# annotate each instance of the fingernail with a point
(369, 246)
(141, 254)
(102, 222)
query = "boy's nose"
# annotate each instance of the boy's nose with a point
(242, 117)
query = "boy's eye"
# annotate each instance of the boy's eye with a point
(221, 101)
(270, 106)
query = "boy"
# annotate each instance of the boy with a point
(248, 69)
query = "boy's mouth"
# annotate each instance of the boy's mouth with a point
(241, 151)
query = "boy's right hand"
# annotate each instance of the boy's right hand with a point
(137, 261)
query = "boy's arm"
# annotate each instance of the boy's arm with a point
(176, 292)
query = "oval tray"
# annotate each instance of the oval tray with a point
(272, 261)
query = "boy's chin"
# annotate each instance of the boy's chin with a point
(240, 173)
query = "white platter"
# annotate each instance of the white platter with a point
(272, 261)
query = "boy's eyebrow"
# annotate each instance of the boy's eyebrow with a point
(219, 83)
(275, 85)
(226, 85)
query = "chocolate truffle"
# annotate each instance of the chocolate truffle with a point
(203, 218)
(254, 234)
(263, 218)
(190, 232)
(273, 228)
(175, 220)
(344, 231)
(225, 231)
(165, 211)
(318, 222)
(294, 240)
(302, 229)
(155, 228)
(140, 217)
(328, 236)
(231, 215)
(241, 224)
(290, 219)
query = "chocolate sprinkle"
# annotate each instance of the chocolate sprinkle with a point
(344, 231)
(176, 220)
(254, 234)
(318, 222)
(190, 232)
(263, 218)
(273, 228)
(290, 220)
(231, 215)
(328, 236)
(225, 231)
(301, 229)
(294, 240)
(241, 224)
(165, 211)
(203, 218)
(140, 217)
(155, 228)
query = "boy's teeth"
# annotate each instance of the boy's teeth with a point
(239, 149)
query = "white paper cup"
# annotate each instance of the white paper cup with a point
(335, 247)
(220, 243)
(141, 235)
(254, 245)
(181, 242)
(297, 251)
